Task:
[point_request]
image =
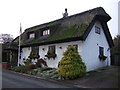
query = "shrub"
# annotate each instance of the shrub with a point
(22, 69)
(71, 65)
(45, 69)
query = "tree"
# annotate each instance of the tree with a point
(115, 51)
(5, 38)
(71, 65)
(116, 48)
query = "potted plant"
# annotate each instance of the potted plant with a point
(50, 54)
(102, 57)
(34, 55)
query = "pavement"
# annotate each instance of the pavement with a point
(107, 77)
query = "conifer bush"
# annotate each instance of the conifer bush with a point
(71, 65)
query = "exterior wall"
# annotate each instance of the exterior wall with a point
(90, 49)
(25, 53)
(54, 62)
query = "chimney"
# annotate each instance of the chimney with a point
(65, 14)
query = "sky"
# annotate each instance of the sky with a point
(34, 12)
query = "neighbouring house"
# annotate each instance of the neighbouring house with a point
(10, 53)
(88, 32)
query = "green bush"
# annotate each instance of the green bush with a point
(22, 69)
(71, 65)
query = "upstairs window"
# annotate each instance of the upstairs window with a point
(32, 35)
(97, 29)
(46, 32)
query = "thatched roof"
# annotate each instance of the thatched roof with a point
(71, 28)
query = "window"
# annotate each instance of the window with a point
(76, 47)
(46, 32)
(52, 48)
(97, 29)
(34, 52)
(35, 49)
(101, 51)
(32, 35)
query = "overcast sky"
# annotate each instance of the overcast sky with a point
(34, 12)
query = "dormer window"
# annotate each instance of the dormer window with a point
(97, 29)
(32, 35)
(46, 32)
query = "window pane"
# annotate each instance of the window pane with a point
(32, 35)
(48, 31)
(43, 33)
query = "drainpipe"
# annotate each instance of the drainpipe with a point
(108, 56)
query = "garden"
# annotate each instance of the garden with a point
(69, 67)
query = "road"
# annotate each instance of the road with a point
(15, 80)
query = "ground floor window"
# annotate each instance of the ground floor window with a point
(34, 52)
(75, 46)
(101, 54)
(101, 51)
(51, 52)
(52, 48)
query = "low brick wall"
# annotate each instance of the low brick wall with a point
(5, 65)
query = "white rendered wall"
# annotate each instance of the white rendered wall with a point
(90, 49)
(54, 62)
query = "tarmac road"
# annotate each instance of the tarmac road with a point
(15, 80)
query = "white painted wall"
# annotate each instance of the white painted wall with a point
(90, 49)
(54, 62)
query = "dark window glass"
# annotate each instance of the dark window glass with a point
(101, 51)
(76, 47)
(35, 49)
